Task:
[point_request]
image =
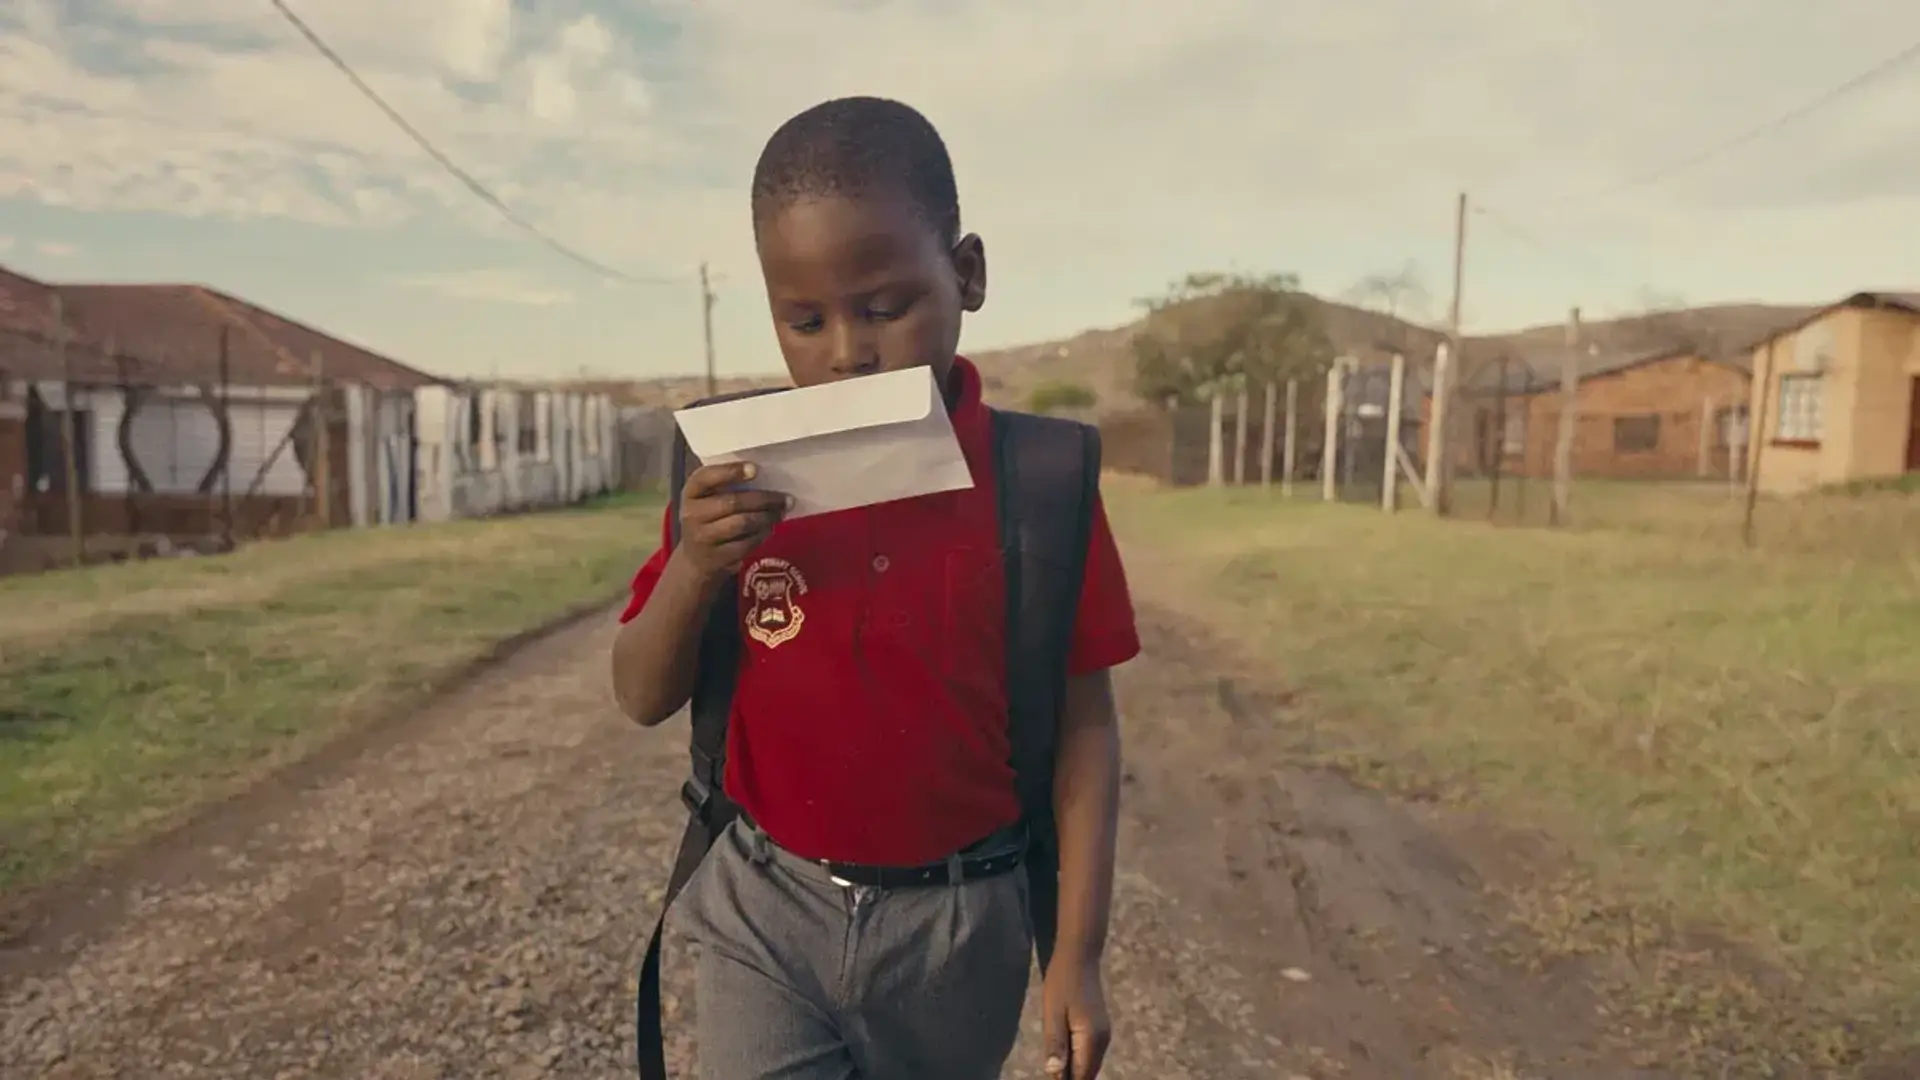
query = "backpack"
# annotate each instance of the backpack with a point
(1047, 480)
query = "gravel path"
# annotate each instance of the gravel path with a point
(467, 893)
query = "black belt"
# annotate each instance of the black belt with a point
(971, 868)
(996, 855)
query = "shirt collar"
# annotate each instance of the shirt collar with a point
(971, 420)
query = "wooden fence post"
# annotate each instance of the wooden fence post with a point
(1266, 436)
(1569, 402)
(1216, 420)
(1290, 439)
(1390, 473)
(1756, 424)
(69, 435)
(1437, 412)
(1330, 448)
(226, 433)
(322, 420)
(1240, 438)
(1706, 438)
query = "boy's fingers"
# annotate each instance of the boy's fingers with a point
(733, 552)
(726, 504)
(736, 527)
(1088, 1051)
(708, 479)
(1057, 1046)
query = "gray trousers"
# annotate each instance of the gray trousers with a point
(800, 978)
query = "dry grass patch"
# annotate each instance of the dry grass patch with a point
(131, 694)
(1727, 739)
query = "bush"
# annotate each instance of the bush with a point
(1051, 396)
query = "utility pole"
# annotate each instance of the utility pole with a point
(706, 316)
(1445, 375)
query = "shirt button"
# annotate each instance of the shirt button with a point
(880, 563)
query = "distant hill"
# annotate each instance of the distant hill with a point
(1102, 360)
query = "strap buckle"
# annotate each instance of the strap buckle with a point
(697, 796)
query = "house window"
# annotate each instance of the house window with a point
(1636, 434)
(1802, 418)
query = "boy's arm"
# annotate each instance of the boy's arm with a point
(1086, 807)
(656, 655)
(1086, 796)
(1086, 780)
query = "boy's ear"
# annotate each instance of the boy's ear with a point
(970, 266)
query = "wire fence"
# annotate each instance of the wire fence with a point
(1505, 443)
(1326, 437)
(223, 436)
(1352, 437)
(107, 457)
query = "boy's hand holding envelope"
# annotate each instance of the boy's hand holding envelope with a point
(834, 446)
(721, 520)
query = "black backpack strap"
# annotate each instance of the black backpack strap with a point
(709, 810)
(1047, 472)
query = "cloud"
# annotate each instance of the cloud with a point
(203, 108)
(55, 249)
(1097, 144)
(493, 286)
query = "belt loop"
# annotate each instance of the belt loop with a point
(956, 869)
(760, 849)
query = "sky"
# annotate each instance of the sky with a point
(1103, 148)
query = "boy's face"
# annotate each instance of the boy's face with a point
(860, 286)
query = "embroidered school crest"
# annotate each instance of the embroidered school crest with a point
(772, 589)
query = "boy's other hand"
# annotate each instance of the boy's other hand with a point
(1073, 1013)
(720, 523)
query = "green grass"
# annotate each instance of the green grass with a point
(1725, 738)
(129, 695)
(1869, 520)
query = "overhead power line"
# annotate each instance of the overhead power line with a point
(480, 190)
(1566, 253)
(1706, 153)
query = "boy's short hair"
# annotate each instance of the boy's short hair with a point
(855, 147)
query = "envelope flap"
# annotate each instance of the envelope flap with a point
(729, 427)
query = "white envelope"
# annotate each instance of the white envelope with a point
(839, 445)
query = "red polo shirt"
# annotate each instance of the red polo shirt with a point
(870, 715)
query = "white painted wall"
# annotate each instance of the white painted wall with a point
(175, 438)
(467, 472)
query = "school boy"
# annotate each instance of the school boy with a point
(869, 722)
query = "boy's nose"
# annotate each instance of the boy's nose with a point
(854, 353)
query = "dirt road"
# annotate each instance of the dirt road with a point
(465, 895)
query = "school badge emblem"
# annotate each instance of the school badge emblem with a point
(772, 589)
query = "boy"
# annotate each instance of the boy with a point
(868, 738)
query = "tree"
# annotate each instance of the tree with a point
(1398, 294)
(1214, 333)
(1060, 394)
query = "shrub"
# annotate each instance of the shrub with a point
(1054, 395)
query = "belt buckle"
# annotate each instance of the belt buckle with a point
(827, 865)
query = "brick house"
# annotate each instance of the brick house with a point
(1666, 414)
(1840, 400)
